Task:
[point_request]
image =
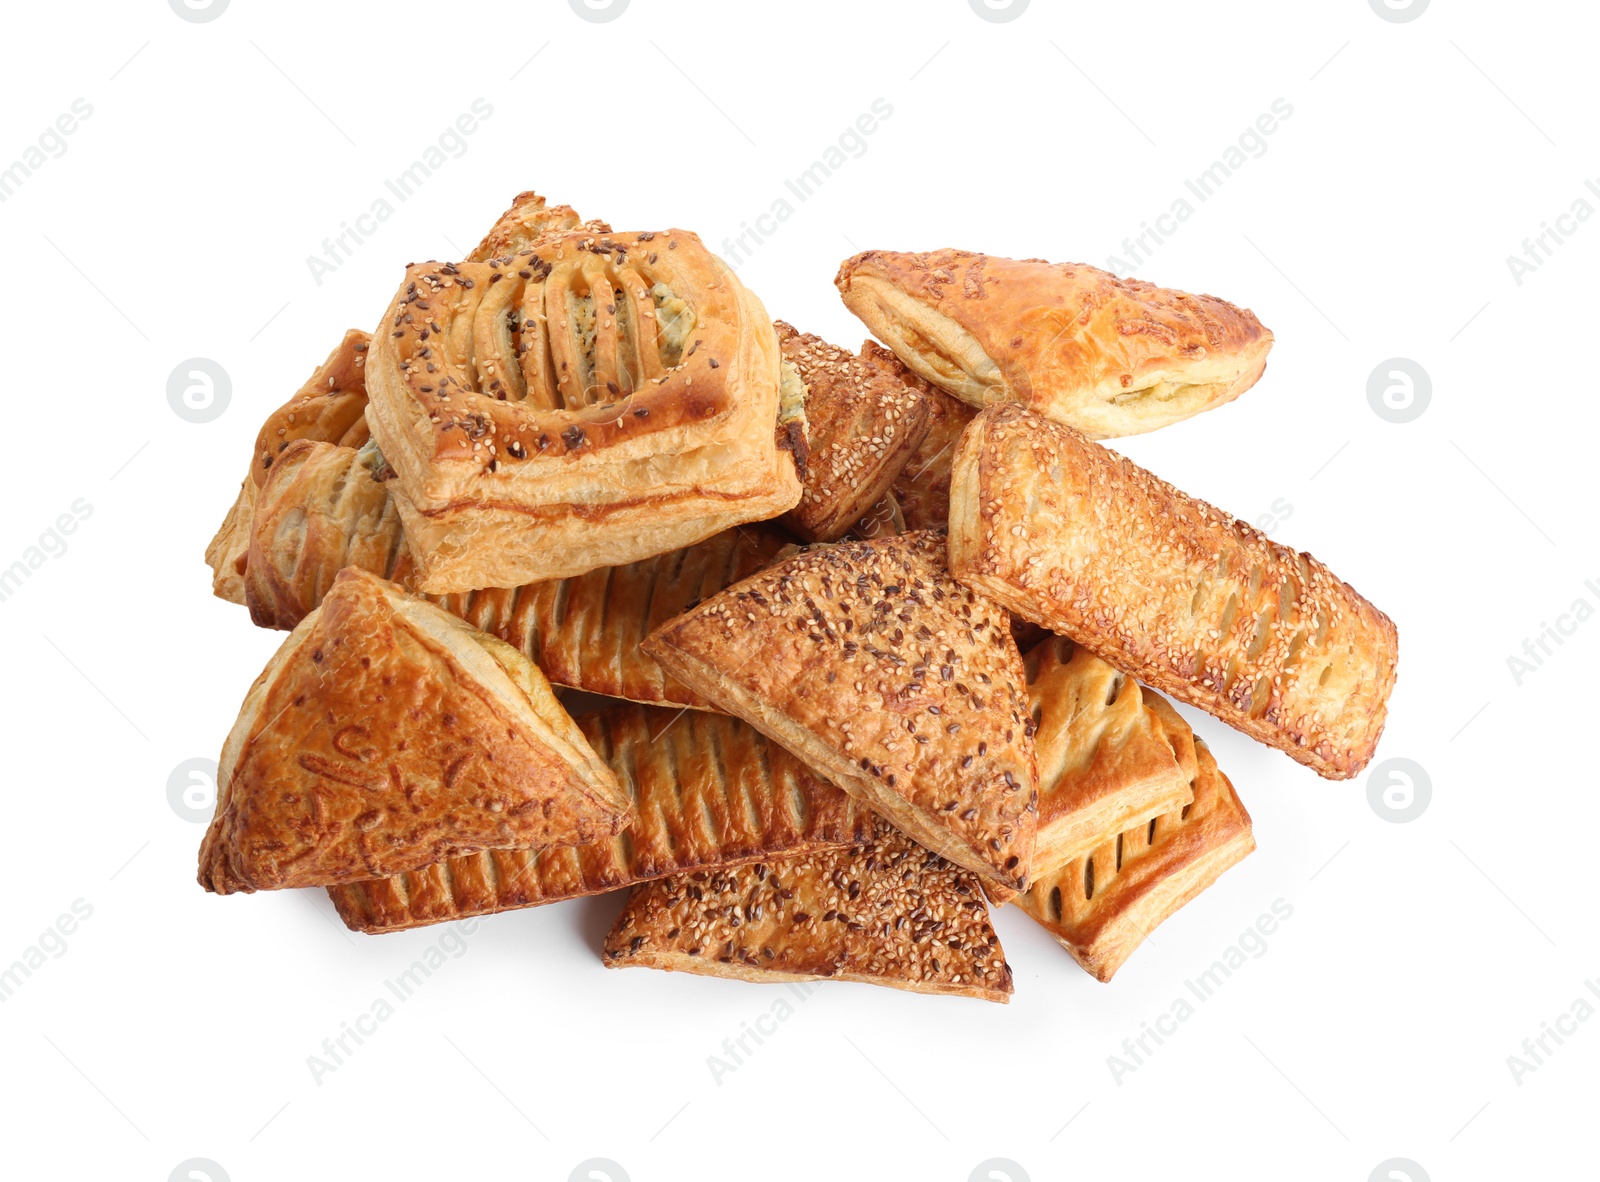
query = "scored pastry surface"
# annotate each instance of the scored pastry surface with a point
(385, 735)
(887, 912)
(1102, 905)
(1105, 761)
(704, 790)
(1171, 590)
(594, 400)
(885, 675)
(1110, 356)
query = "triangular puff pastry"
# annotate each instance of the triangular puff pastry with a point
(869, 662)
(1105, 761)
(1109, 356)
(1101, 906)
(705, 791)
(887, 913)
(384, 735)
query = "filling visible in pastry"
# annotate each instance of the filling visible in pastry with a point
(674, 322)
(791, 396)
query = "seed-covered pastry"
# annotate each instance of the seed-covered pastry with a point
(1170, 590)
(526, 223)
(329, 408)
(1109, 356)
(1105, 761)
(880, 671)
(592, 401)
(886, 913)
(1102, 905)
(923, 486)
(705, 791)
(386, 735)
(863, 426)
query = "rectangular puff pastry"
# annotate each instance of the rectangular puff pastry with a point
(384, 735)
(1102, 905)
(888, 912)
(862, 424)
(1109, 356)
(880, 671)
(1170, 590)
(704, 790)
(329, 408)
(594, 400)
(1105, 761)
(923, 487)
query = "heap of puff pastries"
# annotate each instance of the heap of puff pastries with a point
(589, 458)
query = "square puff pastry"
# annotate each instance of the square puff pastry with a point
(885, 913)
(589, 402)
(705, 791)
(385, 735)
(1102, 905)
(1170, 590)
(880, 671)
(1109, 356)
(1105, 761)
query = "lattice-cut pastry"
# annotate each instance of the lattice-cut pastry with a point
(586, 631)
(1170, 590)
(322, 508)
(386, 735)
(888, 912)
(1105, 762)
(880, 671)
(1109, 356)
(863, 426)
(923, 486)
(596, 400)
(705, 791)
(325, 508)
(526, 223)
(1102, 905)
(329, 408)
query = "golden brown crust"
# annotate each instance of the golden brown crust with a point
(528, 220)
(705, 791)
(385, 735)
(886, 913)
(1109, 356)
(870, 663)
(329, 408)
(321, 509)
(1105, 763)
(864, 426)
(1101, 906)
(883, 520)
(542, 421)
(1170, 590)
(923, 486)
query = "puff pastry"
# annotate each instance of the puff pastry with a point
(923, 486)
(330, 407)
(528, 221)
(323, 508)
(885, 675)
(1101, 906)
(1109, 356)
(385, 735)
(862, 427)
(883, 520)
(705, 791)
(1105, 761)
(1170, 590)
(595, 400)
(886, 913)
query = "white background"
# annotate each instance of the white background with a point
(177, 223)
